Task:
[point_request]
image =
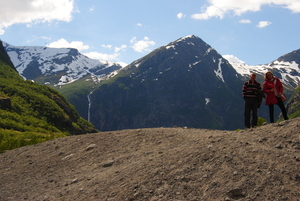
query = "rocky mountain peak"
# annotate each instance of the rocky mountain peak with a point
(56, 66)
(173, 85)
(293, 56)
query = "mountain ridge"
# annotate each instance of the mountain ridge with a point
(166, 75)
(169, 86)
(56, 66)
(285, 67)
(31, 113)
(164, 63)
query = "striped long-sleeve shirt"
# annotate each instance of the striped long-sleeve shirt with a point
(250, 89)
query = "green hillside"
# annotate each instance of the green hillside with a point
(31, 113)
(293, 105)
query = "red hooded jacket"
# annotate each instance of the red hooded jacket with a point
(270, 84)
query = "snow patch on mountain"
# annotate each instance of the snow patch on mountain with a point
(289, 71)
(51, 61)
(208, 51)
(185, 37)
(170, 46)
(218, 72)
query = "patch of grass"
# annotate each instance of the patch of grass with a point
(11, 139)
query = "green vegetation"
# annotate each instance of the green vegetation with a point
(294, 104)
(31, 113)
(261, 121)
(11, 139)
(295, 114)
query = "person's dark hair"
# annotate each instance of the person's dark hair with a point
(267, 73)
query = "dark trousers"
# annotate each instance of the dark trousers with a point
(251, 105)
(281, 106)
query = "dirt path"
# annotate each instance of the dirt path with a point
(158, 164)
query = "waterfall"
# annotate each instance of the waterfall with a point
(90, 104)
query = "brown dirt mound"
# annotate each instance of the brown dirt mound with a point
(158, 164)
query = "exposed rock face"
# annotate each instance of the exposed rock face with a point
(294, 103)
(5, 103)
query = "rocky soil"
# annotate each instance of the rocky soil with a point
(158, 164)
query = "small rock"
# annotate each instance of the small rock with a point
(283, 123)
(108, 163)
(279, 146)
(67, 157)
(91, 146)
(236, 193)
(74, 181)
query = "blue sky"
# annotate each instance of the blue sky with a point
(256, 32)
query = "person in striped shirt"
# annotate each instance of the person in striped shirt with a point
(250, 91)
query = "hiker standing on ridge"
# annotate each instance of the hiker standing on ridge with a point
(274, 89)
(251, 92)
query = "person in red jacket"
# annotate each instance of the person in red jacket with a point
(273, 89)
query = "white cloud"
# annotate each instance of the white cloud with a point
(245, 21)
(219, 8)
(233, 59)
(34, 11)
(92, 8)
(263, 24)
(102, 56)
(45, 38)
(294, 6)
(107, 46)
(180, 15)
(139, 24)
(62, 43)
(37, 38)
(211, 11)
(118, 49)
(142, 45)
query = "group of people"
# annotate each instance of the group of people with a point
(253, 95)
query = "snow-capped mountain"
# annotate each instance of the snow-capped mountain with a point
(286, 67)
(184, 83)
(57, 66)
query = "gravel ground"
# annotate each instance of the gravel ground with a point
(262, 163)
